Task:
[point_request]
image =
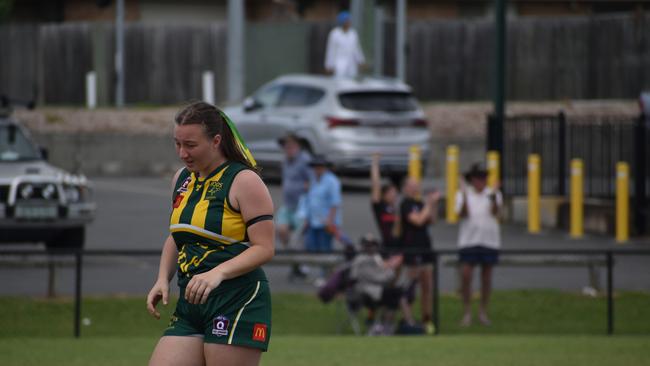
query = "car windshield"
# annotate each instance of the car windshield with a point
(14, 145)
(378, 101)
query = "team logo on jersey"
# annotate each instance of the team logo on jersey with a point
(220, 326)
(259, 332)
(213, 188)
(183, 187)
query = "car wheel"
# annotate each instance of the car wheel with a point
(68, 239)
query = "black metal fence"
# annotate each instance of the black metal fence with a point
(600, 141)
(607, 254)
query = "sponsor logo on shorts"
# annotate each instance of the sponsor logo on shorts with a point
(259, 332)
(172, 321)
(220, 326)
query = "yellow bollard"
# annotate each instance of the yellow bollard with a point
(415, 162)
(493, 168)
(534, 192)
(452, 182)
(622, 202)
(577, 199)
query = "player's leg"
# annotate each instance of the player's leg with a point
(467, 269)
(230, 355)
(426, 286)
(178, 351)
(486, 289)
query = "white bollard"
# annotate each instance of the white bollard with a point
(91, 90)
(208, 87)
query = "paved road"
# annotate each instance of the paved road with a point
(133, 213)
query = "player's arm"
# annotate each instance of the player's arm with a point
(166, 270)
(375, 179)
(255, 204)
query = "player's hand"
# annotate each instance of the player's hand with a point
(201, 285)
(433, 197)
(159, 291)
(375, 158)
(395, 261)
(463, 185)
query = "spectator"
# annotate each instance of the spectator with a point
(376, 281)
(384, 206)
(295, 180)
(343, 55)
(322, 207)
(479, 237)
(415, 218)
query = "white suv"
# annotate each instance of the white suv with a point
(347, 120)
(39, 202)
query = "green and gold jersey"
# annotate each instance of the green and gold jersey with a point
(207, 229)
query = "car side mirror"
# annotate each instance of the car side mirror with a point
(250, 104)
(45, 153)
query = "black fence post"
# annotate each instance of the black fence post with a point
(77, 294)
(640, 175)
(436, 293)
(610, 295)
(562, 158)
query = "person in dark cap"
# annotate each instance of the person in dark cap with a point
(322, 206)
(479, 237)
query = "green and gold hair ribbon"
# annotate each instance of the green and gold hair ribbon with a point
(240, 141)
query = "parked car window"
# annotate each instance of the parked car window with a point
(378, 101)
(268, 97)
(300, 96)
(18, 149)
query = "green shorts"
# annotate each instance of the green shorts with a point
(239, 316)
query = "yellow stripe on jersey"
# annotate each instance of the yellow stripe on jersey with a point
(233, 224)
(201, 208)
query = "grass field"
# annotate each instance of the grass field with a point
(454, 350)
(530, 327)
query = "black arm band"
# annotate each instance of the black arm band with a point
(257, 219)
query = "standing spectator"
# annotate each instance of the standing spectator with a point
(343, 55)
(384, 206)
(479, 238)
(322, 206)
(416, 216)
(295, 180)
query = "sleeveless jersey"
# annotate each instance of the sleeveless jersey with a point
(205, 226)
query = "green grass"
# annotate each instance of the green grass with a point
(530, 327)
(513, 312)
(464, 350)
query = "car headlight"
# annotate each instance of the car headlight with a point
(48, 191)
(26, 191)
(72, 194)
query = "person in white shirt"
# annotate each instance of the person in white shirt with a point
(343, 55)
(479, 237)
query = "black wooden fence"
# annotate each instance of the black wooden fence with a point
(547, 58)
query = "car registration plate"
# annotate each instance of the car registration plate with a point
(385, 131)
(36, 212)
